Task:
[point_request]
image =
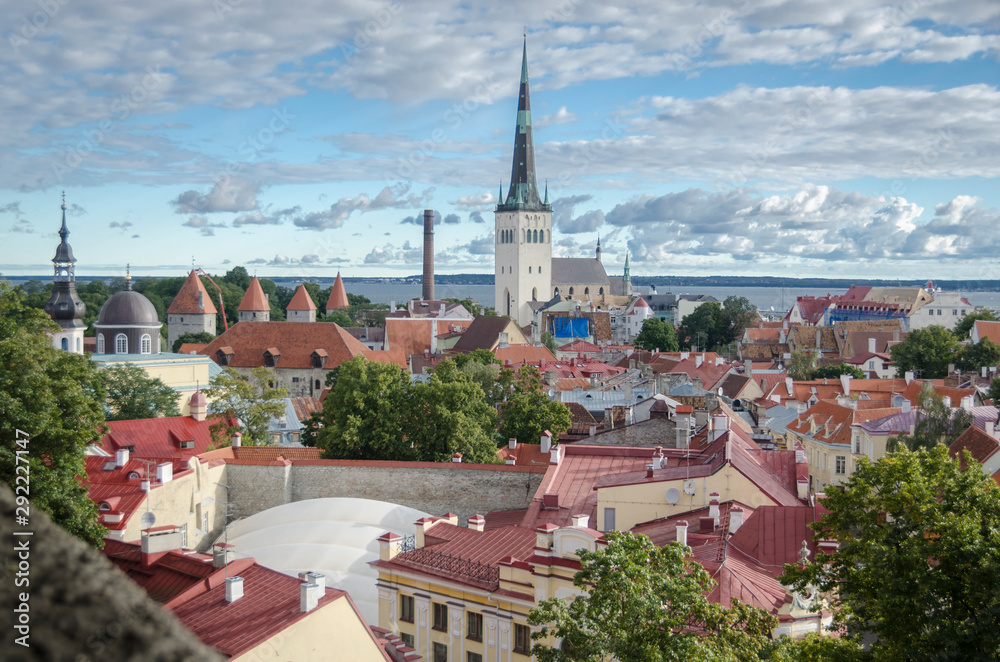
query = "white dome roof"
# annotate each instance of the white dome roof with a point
(336, 537)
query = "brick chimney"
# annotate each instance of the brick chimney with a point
(428, 277)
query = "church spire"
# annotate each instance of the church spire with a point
(626, 278)
(598, 248)
(523, 193)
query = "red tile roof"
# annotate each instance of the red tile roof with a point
(525, 455)
(296, 341)
(408, 336)
(159, 438)
(254, 299)
(301, 300)
(338, 295)
(913, 390)
(518, 354)
(191, 347)
(304, 406)
(579, 346)
(192, 293)
(761, 335)
(976, 441)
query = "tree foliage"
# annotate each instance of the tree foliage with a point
(202, 337)
(133, 394)
(964, 326)
(974, 356)
(373, 412)
(926, 352)
(549, 341)
(657, 334)
(527, 412)
(249, 398)
(738, 313)
(918, 562)
(54, 400)
(802, 365)
(995, 391)
(935, 424)
(645, 603)
(703, 328)
(835, 371)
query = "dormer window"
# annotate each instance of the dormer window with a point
(133, 475)
(224, 355)
(319, 358)
(187, 445)
(271, 356)
(104, 507)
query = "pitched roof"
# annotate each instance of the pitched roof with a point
(304, 406)
(407, 336)
(159, 438)
(981, 445)
(484, 333)
(987, 329)
(296, 341)
(578, 271)
(192, 298)
(518, 354)
(301, 300)
(338, 295)
(254, 299)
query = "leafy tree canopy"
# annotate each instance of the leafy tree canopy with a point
(737, 314)
(657, 334)
(549, 341)
(703, 327)
(528, 412)
(926, 352)
(995, 390)
(51, 406)
(835, 371)
(202, 337)
(964, 326)
(935, 424)
(647, 603)
(133, 394)
(249, 398)
(918, 558)
(974, 356)
(802, 365)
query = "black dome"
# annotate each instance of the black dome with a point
(128, 308)
(64, 253)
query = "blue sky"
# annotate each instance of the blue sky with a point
(777, 137)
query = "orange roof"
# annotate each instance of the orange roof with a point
(405, 336)
(523, 354)
(301, 300)
(296, 342)
(338, 295)
(192, 299)
(986, 329)
(833, 423)
(915, 388)
(977, 441)
(190, 347)
(254, 299)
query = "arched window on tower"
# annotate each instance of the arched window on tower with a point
(65, 344)
(100, 343)
(536, 236)
(79, 344)
(571, 291)
(522, 236)
(534, 294)
(586, 291)
(121, 344)
(542, 235)
(145, 344)
(601, 291)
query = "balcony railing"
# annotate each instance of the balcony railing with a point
(481, 572)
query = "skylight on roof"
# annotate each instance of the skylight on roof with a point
(110, 466)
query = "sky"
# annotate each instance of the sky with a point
(745, 137)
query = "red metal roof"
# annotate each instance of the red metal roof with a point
(254, 299)
(159, 438)
(192, 293)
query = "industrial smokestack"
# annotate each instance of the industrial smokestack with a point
(428, 291)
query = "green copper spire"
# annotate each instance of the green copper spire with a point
(546, 193)
(523, 192)
(626, 276)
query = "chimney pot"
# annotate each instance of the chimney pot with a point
(237, 439)
(121, 457)
(582, 521)
(477, 522)
(546, 442)
(682, 532)
(735, 519)
(456, 457)
(308, 597)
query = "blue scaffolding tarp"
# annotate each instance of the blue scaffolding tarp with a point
(566, 327)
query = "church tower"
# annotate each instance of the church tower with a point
(523, 270)
(65, 306)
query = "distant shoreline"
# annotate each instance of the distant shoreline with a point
(662, 283)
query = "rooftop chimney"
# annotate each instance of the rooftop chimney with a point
(720, 424)
(871, 345)
(308, 597)
(582, 521)
(456, 457)
(748, 365)
(164, 473)
(845, 384)
(428, 279)
(906, 406)
(477, 522)
(946, 401)
(222, 554)
(546, 442)
(512, 443)
(682, 532)
(234, 589)
(699, 359)
(317, 578)
(735, 519)
(967, 402)
(121, 457)
(908, 376)
(237, 439)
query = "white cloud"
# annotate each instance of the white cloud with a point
(561, 116)
(395, 197)
(233, 195)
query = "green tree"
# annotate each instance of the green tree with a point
(918, 557)
(251, 399)
(935, 424)
(964, 326)
(132, 394)
(802, 365)
(483, 356)
(528, 412)
(974, 356)
(549, 341)
(835, 371)
(362, 412)
(926, 352)
(340, 317)
(701, 327)
(442, 418)
(237, 276)
(644, 603)
(995, 391)
(51, 408)
(657, 334)
(202, 337)
(737, 314)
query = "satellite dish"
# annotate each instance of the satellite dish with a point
(673, 496)
(147, 520)
(689, 487)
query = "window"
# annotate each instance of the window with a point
(475, 626)
(319, 385)
(841, 467)
(406, 608)
(295, 380)
(954, 311)
(539, 268)
(871, 365)
(609, 519)
(522, 639)
(529, 270)
(65, 344)
(474, 657)
(407, 639)
(184, 535)
(145, 344)
(440, 616)
(440, 652)
(121, 344)
(826, 461)
(79, 344)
